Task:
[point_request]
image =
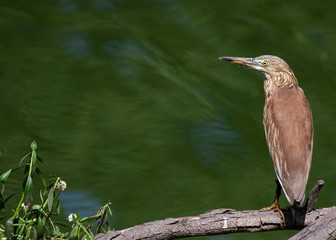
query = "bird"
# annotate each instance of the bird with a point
(288, 127)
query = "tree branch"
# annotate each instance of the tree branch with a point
(323, 228)
(224, 221)
(313, 195)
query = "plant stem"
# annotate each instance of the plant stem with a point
(18, 207)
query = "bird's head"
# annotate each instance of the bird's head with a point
(274, 68)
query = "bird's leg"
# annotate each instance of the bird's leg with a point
(293, 209)
(275, 204)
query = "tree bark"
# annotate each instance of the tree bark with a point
(322, 228)
(223, 221)
(321, 223)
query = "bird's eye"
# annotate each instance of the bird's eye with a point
(264, 63)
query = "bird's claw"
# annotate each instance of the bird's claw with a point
(276, 206)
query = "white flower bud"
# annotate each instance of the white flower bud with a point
(62, 185)
(25, 207)
(71, 217)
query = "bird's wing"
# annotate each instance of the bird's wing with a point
(289, 132)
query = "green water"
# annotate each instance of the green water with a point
(129, 103)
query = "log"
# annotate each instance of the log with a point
(322, 228)
(225, 221)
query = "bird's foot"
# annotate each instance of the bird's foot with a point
(275, 205)
(293, 209)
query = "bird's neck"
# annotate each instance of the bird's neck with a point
(279, 80)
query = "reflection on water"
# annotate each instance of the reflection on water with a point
(214, 140)
(79, 202)
(129, 103)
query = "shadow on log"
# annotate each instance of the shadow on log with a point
(224, 221)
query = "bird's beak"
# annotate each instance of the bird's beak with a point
(247, 62)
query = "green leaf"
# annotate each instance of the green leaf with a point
(21, 221)
(36, 207)
(73, 232)
(33, 145)
(28, 154)
(40, 225)
(86, 219)
(41, 196)
(43, 179)
(58, 206)
(45, 193)
(4, 176)
(34, 233)
(50, 199)
(33, 170)
(2, 188)
(110, 211)
(92, 235)
(29, 187)
(41, 160)
(30, 223)
(57, 230)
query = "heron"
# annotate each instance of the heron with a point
(288, 126)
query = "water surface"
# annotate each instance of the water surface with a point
(129, 103)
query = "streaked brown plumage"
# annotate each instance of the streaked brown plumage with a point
(287, 122)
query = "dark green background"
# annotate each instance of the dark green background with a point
(129, 103)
